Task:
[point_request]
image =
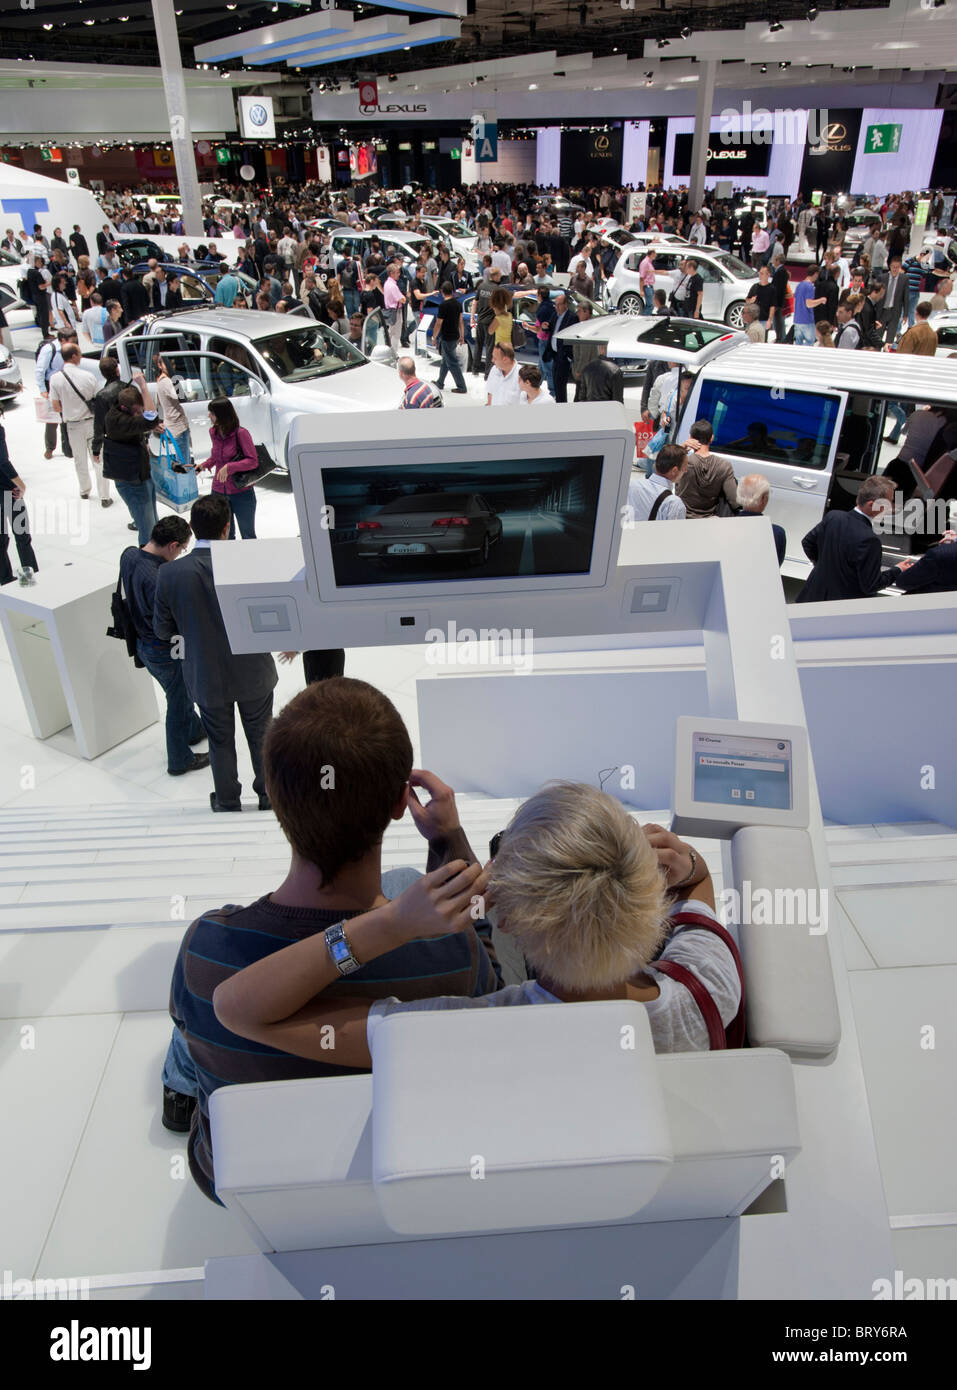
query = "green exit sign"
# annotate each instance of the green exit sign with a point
(223, 156)
(883, 139)
(455, 153)
(45, 154)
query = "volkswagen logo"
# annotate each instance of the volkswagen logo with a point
(258, 115)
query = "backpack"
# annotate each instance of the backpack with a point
(48, 370)
(123, 629)
(24, 291)
(719, 1037)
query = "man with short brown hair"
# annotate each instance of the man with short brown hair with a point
(338, 768)
(920, 339)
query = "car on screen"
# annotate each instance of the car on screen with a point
(431, 524)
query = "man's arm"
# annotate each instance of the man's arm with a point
(810, 542)
(164, 623)
(868, 563)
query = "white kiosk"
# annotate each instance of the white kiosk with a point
(662, 1173)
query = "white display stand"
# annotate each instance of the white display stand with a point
(70, 672)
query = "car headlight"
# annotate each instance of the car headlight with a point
(6, 356)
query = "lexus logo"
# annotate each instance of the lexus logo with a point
(832, 140)
(602, 142)
(368, 94)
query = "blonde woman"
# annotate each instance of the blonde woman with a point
(599, 906)
(824, 333)
(500, 329)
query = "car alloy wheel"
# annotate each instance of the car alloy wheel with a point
(734, 317)
(631, 304)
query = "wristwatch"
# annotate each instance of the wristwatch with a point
(684, 882)
(340, 950)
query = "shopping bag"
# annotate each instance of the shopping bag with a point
(644, 433)
(46, 415)
(176, 490)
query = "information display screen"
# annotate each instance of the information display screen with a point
(732, 770)
(472, 519)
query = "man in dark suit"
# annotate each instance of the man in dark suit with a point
(895, 298)
(134, 297)
(754, 493)
(933, 573)
(186, 607)
(845, 549)
(562, 365)
(600, 380)
(869, 317)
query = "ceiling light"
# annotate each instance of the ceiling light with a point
(663, 43)
(687, 31)
(764, 67)
(48, 26)
(812, 13)
(533, 86)
(775, 26)
(88, 22)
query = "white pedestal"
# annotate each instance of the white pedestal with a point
(70, 672)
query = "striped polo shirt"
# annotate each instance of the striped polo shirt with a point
(219, 943)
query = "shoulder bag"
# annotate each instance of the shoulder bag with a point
(249, 477)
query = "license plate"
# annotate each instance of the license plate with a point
(406, 549)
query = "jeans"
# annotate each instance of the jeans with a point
(14, 522)
(804, 335)
(896, 409)
(649, 299)
(220, 726)
(547, 366)
(243, 506)
(351, 300)
(779, 328)
(912, 297)
(140, 499)
(182, 445)
(450, 363)
(49, 439)
(183, 724)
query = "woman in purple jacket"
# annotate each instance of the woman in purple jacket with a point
(233, 454)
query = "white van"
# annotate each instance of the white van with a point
(812, 421)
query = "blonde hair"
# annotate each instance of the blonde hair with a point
(578, 886)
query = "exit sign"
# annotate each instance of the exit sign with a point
(455, 153)
(223, 156)
(883, 139)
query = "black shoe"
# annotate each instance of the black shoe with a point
(200, 760)
(218, 806)
(177, 1110)
(106, 501)
(264, 803)
(132, 526)
(460, 390)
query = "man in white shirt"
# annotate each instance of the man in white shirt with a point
(533, 388)
(504, 387)
(502, 259)
(71, 392)
(699, 232)
(653, 498)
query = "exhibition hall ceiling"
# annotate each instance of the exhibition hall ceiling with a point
(122, 31)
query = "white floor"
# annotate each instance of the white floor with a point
(101, 864)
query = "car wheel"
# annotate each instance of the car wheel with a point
(482, 557)
(734, 315)
(631, 304)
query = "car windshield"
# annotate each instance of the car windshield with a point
(454, 228)
(731, 263)
(427, 502)
(301, 354)
(7, 259)
(687, 335)
(411, 245)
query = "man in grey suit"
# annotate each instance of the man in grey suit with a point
(217, 681)
(895, 298)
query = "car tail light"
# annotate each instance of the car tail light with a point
(451, 521)
(369, 526)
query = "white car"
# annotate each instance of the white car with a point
(727, 280)
(945, 326)
(271, 366)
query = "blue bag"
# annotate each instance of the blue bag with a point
(176, 490)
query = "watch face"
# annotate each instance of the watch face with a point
(340, 950)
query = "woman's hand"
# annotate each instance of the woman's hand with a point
(674, 856)
(222, 474)
(447, 900)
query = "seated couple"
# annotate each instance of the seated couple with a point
(590, 899)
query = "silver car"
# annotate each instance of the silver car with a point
(727, 280)
(273, 367)
(427, 525)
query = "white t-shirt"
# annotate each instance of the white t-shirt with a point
(543, 398)
(504, 390)
(503, 261)
(74, 398)
(676, 1021)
